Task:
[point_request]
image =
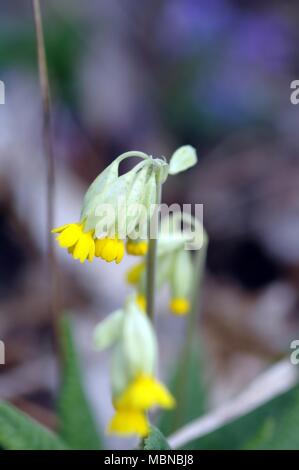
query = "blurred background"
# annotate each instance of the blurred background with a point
(152, 75)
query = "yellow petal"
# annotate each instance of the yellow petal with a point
(109, 252)
(141, 302)
(179, 306)
(91, 253)
(144, 393)
(136, 248)
(71, 249)
(128, 247)
(133, 275)
(127, 422)
(120, 251)
(99, 245)
(142, 248)
(69, 236)
(81, 249)
(60, 229)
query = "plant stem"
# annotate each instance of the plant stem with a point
(152, 255)
(49, 155)
(199, 265)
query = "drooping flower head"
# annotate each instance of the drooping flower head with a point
(115, 208)
(135, 389)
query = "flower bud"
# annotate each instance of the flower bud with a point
(180, 282)
(108, 331)
(139, 340)
(183, 158)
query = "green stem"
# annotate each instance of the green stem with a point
(199, 266)
(152, 255)
(133, 153)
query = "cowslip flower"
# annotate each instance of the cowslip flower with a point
(115, 207)
(118, 207)
(175, 265)
(135, 389)
(175, 269)
(180, 278)
(80, 245)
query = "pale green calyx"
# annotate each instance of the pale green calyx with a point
(181, 274)
(131, 334)
(183, 158)
(175, 264)
(117, 203)
(107, 333)
(139, 340)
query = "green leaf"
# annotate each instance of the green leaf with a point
(187, 388)
(155, 441)
(282, 431)
(273, 425)
(183, 158)
(77, 426)
(262, 434)
(19, 432)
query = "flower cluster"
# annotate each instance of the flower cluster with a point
(110, 223)
(134, 386)
(115, 208)
(175, 267)
(83, 246)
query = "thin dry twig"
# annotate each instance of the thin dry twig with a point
(49, 154)
(276, 380)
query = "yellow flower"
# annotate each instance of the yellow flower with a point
(175, 267)
(140, 395)
(110, 249)
(134, 273)
(134, 387)
(141, 301)
(143, 393)
(80, 244)
(179, 306)
(136, 247)
(129, 421)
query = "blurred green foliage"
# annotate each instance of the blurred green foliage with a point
(63, 47)
(19, 432)
(74, 412)
(155, 441)
(187, 387)
(77, 429)
(271, 426)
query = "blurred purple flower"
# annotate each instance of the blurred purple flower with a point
(238, 79)
(244, 81)
(186, 25)
(261, 40)
(230, 96)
